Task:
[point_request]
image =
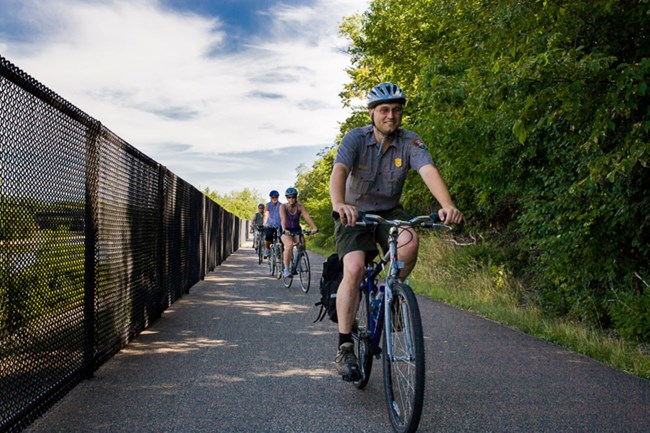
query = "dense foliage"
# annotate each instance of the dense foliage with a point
(537, 114)
(243, 203)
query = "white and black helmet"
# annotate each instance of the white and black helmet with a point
(385, 93)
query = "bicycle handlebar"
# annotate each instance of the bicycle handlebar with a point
(303, 232)
(426, 221)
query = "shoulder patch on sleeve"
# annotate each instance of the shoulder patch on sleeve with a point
(419, 144)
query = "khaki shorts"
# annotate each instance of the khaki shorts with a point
(359, 238)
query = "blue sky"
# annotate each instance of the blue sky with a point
(227, 94)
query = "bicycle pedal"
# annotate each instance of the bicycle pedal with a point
(352, 376)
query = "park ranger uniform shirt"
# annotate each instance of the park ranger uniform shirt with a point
(376, 180)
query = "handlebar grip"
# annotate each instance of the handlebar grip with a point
(360, 215)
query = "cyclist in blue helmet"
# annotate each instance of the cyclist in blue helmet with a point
(290, 214)
(368, 174)
(271, 220)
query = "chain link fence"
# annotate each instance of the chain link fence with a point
(96, 241)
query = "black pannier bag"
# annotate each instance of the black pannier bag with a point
(329, 284)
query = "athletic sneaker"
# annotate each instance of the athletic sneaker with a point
(287, 273)
(347, 364)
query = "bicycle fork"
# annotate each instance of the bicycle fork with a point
(406, 326)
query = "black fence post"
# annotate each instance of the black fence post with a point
(90, 247)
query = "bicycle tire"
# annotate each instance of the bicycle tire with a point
(279, 262)
(271, 260)
(287, 280)
(404, 374)
(363, 347)
(304, 269)
(260, 249)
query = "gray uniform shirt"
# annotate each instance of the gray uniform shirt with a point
(375, 181)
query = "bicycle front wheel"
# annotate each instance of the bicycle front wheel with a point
(305, 271)
(260, 249)
(362, 331)
(279, 262)
(287, 280)
(271, 261)
(404, 366)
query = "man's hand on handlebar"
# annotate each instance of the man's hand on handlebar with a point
(450, 215)
(347, 213)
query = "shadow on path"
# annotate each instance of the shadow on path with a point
(240, 353)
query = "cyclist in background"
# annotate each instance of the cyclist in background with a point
(257, 220)
(271, 220)
(368, 175)
(290, 213)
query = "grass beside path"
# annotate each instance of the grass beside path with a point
(487, 290)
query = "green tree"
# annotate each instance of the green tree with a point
(313, 183)
(243, 203)
(537, 114)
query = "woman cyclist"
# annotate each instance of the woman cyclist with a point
(290, 214)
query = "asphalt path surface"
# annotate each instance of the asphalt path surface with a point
(240, 353)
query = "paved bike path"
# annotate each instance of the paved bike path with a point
(240, 353)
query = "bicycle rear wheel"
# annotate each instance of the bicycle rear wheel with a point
(404, 368)
(304, 270)
(364, 347)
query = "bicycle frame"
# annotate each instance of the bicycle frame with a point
(300, 245)
(380, 317)
(275, 257)
(395, 266)
(299, 263)
(389, 315)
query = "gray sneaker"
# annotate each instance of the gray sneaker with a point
(347, 364)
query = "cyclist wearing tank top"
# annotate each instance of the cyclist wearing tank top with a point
(290, 214)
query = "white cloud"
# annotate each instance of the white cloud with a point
(155, 76)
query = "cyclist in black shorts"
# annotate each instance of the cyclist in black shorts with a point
(271, 220)
(368, 175)
(290, 214)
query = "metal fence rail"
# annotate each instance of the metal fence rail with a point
(96, 241)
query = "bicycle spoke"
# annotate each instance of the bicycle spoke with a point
(362, 332)
(304, 269)
(404, 367)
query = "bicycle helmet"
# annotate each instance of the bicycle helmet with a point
(385, 93)
(274, 193)
(291, 191)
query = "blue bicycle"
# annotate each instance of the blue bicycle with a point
(391, 311)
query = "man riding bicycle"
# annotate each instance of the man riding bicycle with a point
(368, 175)
(271, 220)
(290, 213)
(256, 221)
